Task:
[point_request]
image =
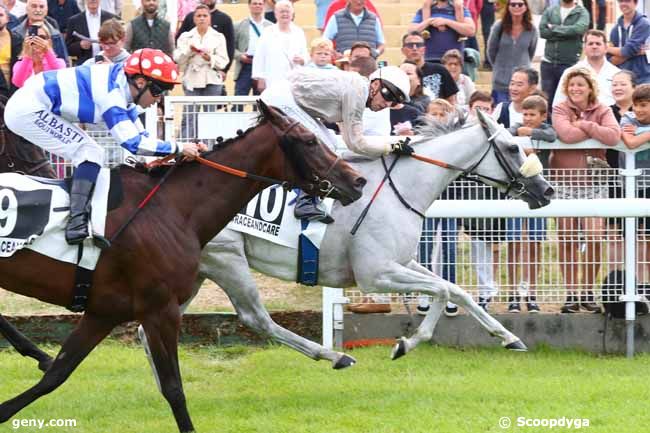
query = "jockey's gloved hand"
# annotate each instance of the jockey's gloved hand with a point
(402, 147)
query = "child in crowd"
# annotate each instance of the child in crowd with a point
(523, 262)
(321, 54)
(534, 124)
(480, 100)
(440, 109)
(442, 112)
(484, 233)
(635, 128)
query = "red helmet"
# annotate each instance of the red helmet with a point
(153, 64)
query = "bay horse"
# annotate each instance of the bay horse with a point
(19, 155)
(149, 270)
(380, 256)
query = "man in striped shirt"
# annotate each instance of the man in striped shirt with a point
(44, 109)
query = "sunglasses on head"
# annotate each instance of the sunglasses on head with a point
(413, 45)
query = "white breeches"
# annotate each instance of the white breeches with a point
(28, 117)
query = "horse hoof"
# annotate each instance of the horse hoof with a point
(344, 361)
(45, 364)
(399, 349)
(517, 346)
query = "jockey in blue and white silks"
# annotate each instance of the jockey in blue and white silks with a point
(44, 110)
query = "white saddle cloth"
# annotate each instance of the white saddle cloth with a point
(33, 215)
(269, 215)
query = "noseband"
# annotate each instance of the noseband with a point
(513, 184)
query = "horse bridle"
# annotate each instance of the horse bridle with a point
(324, 186)
(513, 184)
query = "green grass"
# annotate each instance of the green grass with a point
(275, 390)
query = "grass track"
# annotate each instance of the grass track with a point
(275, 390)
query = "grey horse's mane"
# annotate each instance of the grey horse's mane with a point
(431, 127)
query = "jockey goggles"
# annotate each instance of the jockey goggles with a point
(157, 88)
(391, 93)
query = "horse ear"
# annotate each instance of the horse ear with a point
(481, 117)
(263, 108)
(496, 113)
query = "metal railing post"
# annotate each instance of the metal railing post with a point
(630, 173)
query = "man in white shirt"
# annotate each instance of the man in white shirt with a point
(86, 24)
(595, 60)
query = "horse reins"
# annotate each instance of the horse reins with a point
(324, 185)
(466, 173)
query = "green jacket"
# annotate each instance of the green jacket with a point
(563, 40)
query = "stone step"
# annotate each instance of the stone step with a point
(391, 13)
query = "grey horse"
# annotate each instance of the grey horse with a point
(380, 257)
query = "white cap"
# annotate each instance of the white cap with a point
(394, 76)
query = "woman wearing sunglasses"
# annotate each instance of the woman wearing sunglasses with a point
(37, 56)
(91, 94)
(511, 45)
(314, 95)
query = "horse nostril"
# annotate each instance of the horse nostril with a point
(360, 182)
(549, 192)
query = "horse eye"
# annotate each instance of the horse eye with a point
(513, 148)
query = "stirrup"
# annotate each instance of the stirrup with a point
(101, 242)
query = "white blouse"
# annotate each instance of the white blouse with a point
(275, 52)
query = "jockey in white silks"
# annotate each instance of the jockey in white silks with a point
(314, 95)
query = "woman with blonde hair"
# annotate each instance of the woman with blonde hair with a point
(581, 117)
(37, 56)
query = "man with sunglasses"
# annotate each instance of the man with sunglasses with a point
(436, 79)
(312, 96)
(91, 94)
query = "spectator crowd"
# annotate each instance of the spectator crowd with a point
(590, 85)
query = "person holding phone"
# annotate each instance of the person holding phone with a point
(37, 55)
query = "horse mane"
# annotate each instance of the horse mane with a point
(431, 127)
(293, 152)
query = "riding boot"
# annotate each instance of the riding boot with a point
(307, 208)
(80, 195)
